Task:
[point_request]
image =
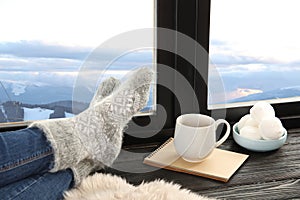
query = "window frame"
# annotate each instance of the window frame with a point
(165, 18)
(181, 16)
(289, 112)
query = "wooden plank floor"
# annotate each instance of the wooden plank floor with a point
(271, 175)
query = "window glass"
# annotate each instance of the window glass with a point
(43, 45)
(255, 48)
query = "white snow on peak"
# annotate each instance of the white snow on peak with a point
(69, 115)
(18, 89)
(31, 114)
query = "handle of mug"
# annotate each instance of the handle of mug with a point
(224, 138)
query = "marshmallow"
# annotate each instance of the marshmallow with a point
(242, 121)
(251, 122)
(262, 110)
(250, 132)
(247, 120)
(271, 128)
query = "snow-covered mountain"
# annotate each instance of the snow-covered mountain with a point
(272, 94)
(31, 114)
(37, 93)
(23, 101)
(14, 111)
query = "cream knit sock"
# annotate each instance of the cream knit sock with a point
(94, 137)
(105, 88)
(86, 166)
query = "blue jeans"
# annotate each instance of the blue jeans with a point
(25, 159)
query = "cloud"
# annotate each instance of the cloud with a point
(227, 58)
(29, 62)
(246, 68)
(116, 60)
(38, 49)
(26, 68)
(134, 59)
(38, 79)
(216, 42)
(37, 56)
(223, 60)
(11, 63)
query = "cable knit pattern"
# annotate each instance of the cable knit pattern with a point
(66, 146)
(84, 168)
(94, 137)
(105, 89)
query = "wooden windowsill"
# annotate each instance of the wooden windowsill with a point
(270, 175)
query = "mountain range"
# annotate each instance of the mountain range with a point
(272, 94)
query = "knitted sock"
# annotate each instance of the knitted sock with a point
(86, 166)
(105, 88)
(94, 137)
(108, 117)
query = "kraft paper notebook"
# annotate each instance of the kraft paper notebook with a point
(220, 165)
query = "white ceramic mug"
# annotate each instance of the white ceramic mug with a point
(195, 136)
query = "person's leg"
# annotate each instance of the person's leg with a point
(24, 153)
(47, 186)
(82, 143)
(93, 138)
(27, 152)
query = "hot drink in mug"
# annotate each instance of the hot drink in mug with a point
(195, 136)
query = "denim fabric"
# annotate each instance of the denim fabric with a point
(23, 153)
(25, 158)
(47, 186)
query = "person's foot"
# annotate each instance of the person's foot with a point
(132, 96)
(93, 138)
(100, 126)
(105, 88)
(85, 167)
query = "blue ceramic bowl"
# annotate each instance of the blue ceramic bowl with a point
(258, 145)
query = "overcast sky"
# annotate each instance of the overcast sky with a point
(49, 40)
(77, 23)
(255, 35)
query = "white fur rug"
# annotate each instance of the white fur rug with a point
(105, 186)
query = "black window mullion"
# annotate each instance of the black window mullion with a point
(166, 17)
(201, 76)
(185, 24)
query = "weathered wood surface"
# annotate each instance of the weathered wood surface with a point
(271, 175)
